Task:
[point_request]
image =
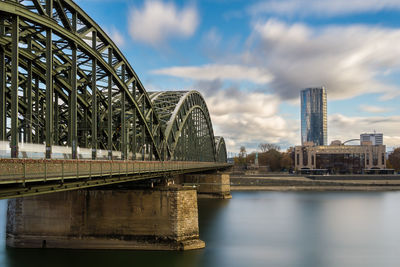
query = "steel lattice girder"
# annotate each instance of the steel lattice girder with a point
(76, 42)
(183, 112)
(221, 149)
(59, 70)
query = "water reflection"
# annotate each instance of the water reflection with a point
(3, 212)
(261, 229)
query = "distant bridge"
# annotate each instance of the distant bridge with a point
(350, 140)
(66, 89)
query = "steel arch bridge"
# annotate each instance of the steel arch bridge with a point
(63, 82)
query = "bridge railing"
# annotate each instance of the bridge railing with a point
(32, 170)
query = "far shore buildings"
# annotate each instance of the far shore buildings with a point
(314, 156)
(340, 159)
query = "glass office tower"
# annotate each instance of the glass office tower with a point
(314, 116)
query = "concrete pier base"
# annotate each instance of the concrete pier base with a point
(144, 219)
(211, 185)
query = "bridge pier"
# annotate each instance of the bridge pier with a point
(209, 185)
(163, 218)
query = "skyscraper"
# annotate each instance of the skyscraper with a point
(314, 116)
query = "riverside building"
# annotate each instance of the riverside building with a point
(340, 159)
(314, 116)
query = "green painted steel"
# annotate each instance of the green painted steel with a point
(221, 149)
(187, 126)
(14, 84)
(3, 88)
(64, 82)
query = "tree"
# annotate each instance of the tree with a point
(242, 152)
(286, 161)
(388, 165)
(394, 159)
(265, 147)
(271, 159)
(241, 160)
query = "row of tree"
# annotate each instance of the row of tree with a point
(393, 161)
(270, 157)
(275, 160)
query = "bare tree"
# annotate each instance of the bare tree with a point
(265, 147)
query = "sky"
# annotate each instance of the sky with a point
(250, 59)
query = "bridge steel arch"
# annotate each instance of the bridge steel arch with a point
(186, 124)
(221, 153)
(64, 82)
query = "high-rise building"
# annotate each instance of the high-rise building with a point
(314, 126)
(374, 138)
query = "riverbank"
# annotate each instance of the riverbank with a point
(302, 183)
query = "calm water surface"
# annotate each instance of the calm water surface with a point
(261, 229)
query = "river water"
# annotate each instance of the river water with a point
(261, 229)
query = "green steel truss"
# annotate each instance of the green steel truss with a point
(187, 126)
(64, 82)
(221, 149)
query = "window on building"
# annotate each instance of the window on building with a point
(305, 157)
(375, 159)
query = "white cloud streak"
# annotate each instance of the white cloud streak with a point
(246, 118)
(157, 21)
(284, 58)
(321, 8)
(344, 127)
(219, 71)
(116, 36)
(349, 60)
(373, 109)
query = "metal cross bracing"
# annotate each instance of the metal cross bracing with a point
(63, 82)
(186, 123)
(68, 84)
(221, 149)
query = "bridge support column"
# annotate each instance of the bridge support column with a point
(151, 219)
(210, 185)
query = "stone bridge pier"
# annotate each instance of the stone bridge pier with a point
(161, 218)
(208, 185)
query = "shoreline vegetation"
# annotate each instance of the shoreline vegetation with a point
(282, 182)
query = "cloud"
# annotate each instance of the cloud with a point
(116, 36)
(344, 128)
(285, 58)
(157, 21)
(212, 44)
(212, 37)
(281, 59)
(219, 71)
(373, 109)
(349, 60)
(246, 118)
(321, 8)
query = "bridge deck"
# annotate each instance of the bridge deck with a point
(24, 177)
